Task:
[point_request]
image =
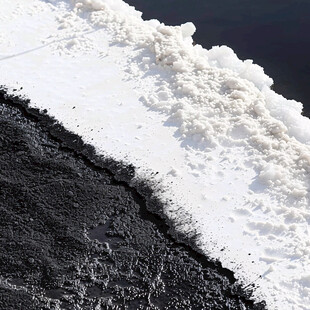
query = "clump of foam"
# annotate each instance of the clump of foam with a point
(224, 57)
(98, 5)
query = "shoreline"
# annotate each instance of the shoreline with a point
(163, 260)
(226, 155)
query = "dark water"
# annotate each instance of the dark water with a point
(274, 33)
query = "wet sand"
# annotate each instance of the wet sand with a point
(76, 235)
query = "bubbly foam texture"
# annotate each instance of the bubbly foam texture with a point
(217, 100)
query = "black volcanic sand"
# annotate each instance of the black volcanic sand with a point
(75, 235)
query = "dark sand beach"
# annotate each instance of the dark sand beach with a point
(76, 235)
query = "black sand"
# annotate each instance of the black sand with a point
(75, 235)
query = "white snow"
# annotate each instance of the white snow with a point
(233, 156)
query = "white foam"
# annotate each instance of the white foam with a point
(236, 152)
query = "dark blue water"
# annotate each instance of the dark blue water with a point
(274, 33)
